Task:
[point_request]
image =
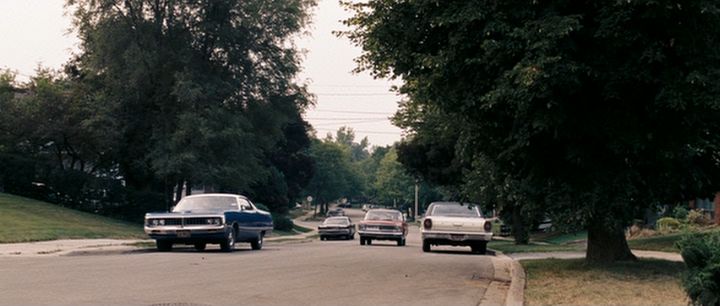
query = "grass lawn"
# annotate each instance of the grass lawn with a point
(511, 247)
(25, 220)
(296, 229)
(297, 212)
(665, 243)
(573, 282)
(544, 242)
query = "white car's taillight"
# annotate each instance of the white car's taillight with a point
(427, 224)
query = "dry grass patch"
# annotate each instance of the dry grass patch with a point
(573, 282)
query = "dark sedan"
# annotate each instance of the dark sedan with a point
(337, 227)
(197, 220)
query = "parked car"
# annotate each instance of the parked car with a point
(337, 212)
(383, 224)
(367, 207)
(456, 224)
(337, 227)
(222, 219)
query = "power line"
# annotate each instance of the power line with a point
(362, 131)
(336, 118)
(353, 112)
(348, 123)
(354, 94)
(350, 86)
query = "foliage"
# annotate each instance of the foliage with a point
(333, 172)
(696, 217)
(667, 225)
(563, 107)
(198, 92)
(261, 206)
(680, 212)
(393, 184)
(282, 223)
(701, 254)
(376, 176)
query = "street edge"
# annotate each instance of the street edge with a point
(516, 292)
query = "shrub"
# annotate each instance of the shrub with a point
(282, 223)
(697, 217)
(701, 253)
(667, 224)
(262, 206)
(680, 212)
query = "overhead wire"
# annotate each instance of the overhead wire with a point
(353, 112)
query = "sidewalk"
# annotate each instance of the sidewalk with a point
(70, 246)
(300, 236)
(572, 255)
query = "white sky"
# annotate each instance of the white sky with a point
(36, 32)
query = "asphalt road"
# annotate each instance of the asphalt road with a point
(291, 273)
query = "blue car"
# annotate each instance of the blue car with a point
(223, 219)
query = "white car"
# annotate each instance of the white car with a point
(456, 224)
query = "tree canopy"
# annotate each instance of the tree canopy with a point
(591, 109)
(198, 92)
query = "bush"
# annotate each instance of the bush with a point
(667, 225)
(262, 206)
(701, 253)
(697, 217)
(282, 223)
(17, 175)
(680, 212)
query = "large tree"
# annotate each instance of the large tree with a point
(333, 177)
(198, 92)
(592, 109)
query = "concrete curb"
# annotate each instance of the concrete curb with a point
(518, 280)
(516, 292)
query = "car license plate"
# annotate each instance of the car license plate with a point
(372, 228)
(183, 234)
(457, 237)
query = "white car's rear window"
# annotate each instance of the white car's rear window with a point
(456, 210)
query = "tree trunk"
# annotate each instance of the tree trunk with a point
(520, 230)
(179, 190)
(607, 243)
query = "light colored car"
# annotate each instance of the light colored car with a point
(197, 220)
(456, 224)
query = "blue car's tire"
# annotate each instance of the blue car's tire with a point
(229, 244)
(258, 242)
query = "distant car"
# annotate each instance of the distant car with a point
(337, 227)
(197, 220)
(383, 224)
(456, 224)
(367, 207)
(336, 212)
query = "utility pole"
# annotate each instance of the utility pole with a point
(415, 212)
